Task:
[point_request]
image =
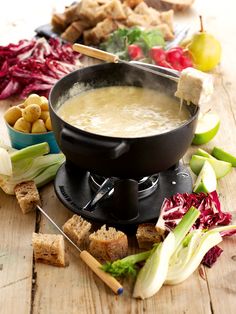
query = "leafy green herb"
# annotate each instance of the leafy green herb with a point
(119, 41)
(126, 266)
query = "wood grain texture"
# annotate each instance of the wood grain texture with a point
(16, 257)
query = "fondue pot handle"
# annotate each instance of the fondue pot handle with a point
(87, 145)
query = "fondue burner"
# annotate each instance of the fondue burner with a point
(119, 202)
(146, 185)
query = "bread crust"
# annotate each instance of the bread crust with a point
(147, 235)
(113, 245)
(50, 249)
(78, 230)
(95, 20)
(27, 196)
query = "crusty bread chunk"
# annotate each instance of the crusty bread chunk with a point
(195, 86)
(100, 32)
(77, 229)
(95, 20)
(108, 244)
(132, 3)
(73, 31)
(176, 5)
(147, 235)
(49, 249)
(27, 196)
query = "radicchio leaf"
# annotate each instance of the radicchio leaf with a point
(175, 207)
(34, 65)
(211, 256)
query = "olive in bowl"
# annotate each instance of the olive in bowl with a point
(29, 123)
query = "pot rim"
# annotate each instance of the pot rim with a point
(114, 138)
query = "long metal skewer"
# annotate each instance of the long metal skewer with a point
(58, 228)
(91, 262)
(110, 57)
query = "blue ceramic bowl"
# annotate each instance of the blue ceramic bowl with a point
(20, 140)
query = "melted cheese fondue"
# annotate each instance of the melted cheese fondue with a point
(123, 111)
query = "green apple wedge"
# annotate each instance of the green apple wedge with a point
(221, 168)
(203, 153)
(206, 181)
(220, 154)
(207, 127)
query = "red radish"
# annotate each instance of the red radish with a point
(165, 64)
(157, 54)
(177, 66)
(135, 52)
(174, 55)
(186, 62)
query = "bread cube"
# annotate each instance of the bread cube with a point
(108, 244)
(49, 249)
(77, 229)
(147, 235)
(195, 86)
(27, 196)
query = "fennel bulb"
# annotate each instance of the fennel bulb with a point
(30, 163)
(154, 272)
(191, 251)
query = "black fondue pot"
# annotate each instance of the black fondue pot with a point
(113, 156)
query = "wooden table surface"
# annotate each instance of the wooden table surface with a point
(26, 287)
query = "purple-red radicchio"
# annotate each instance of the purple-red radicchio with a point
(34, 66)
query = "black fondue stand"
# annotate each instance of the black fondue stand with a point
(123, 207)
(126, 162)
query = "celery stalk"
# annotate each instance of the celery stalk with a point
(125, 266)
(153, 274)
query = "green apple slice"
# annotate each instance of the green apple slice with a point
(221, 168)
(206, 181)
(207, 127)
(223, 155)
(203, 153)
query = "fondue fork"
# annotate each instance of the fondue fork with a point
(91, 262)
(110, 57)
